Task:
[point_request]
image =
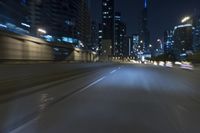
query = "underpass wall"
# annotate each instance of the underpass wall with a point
(26, 48)
(20, 49)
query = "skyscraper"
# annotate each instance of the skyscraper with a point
(100, 36)
(14, 15)
(168, 41)
(94, 36)
(108, 27)
(65, 19)
(196, 33)
(183, 40)
(136, 42)
(144, 31)
(127, 48)
(195, 22)
(120, 33)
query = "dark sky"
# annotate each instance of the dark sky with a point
(163, 14)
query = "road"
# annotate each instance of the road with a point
(98, 98)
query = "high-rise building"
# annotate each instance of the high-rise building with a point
(158, 48)
(144, 31)
(68, 20)
(136, 42)
(127, 48)
(120, 33)
(135, 39)
(14, 16)
(196, 33)
(94, 36)
(183, 40)
(100, 36)
(168, 41)
(108, 27)
(195, 22)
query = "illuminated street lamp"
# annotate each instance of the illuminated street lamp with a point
(42, 31)
(26, 25)
(185, 19)
(158, 40)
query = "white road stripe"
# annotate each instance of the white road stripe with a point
(19, 129)
(113, 71)
(92, 84)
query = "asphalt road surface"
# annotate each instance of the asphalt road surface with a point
(98, 98)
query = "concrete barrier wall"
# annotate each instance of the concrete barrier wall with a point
(16, 49)
(13, 47)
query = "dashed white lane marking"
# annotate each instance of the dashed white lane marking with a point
(17, 130)
(92, 84)
(113, 71)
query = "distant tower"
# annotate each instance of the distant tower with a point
(144, 31)
(120, 35)
(108, 27)
(145, 3)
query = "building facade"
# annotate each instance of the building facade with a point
(120, 34)
(195, 22)
(94, 36)
(108, 9)
(14, 16)
(100, 36)
(144, 32)
(136, 44)
(183, 40)
(127, 48)
(196, 33)
(68, 20)
(168, 41)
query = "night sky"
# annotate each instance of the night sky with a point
(163, 14)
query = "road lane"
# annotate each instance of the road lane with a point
(124, 99)
(23, 108)
(22, 76)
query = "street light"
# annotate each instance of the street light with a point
(158, 40)
(42, 31)
(185, 19)
(26, 25)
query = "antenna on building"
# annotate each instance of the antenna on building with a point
(145, 3)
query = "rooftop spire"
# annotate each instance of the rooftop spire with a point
(145, 3)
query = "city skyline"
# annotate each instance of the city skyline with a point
(108, 36)
(131, 11)
(99, 66)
